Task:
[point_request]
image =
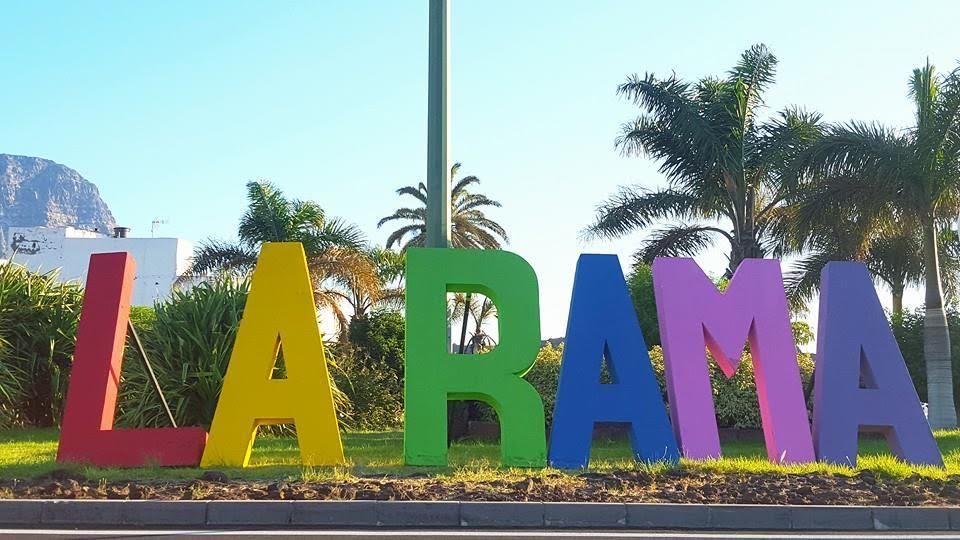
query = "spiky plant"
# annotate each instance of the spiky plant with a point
(188, 339)
(38, 325)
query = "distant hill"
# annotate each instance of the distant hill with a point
(37, 192)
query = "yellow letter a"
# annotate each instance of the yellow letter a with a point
(279, 311)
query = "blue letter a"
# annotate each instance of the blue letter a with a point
(603, 324)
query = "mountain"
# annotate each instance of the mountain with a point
(37, 192)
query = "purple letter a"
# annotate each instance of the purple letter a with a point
(694, 315)
(861, 380)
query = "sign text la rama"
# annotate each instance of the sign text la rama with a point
(861, 381)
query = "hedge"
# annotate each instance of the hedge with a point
(735, 399)
(908, 329)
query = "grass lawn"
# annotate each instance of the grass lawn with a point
(26, 454)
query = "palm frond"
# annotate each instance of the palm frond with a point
(757, 67)
(667, 98)
(678, 241)
(419, 192)
(391, 298)
(215, 256)
(858, 150)
(944, 140)
(633, 208)
(470, 227)
(391, 265)
(834, 208)
(472, 235)
(680, 160)
(416, 231)
(750, 77)
(802, 281)
(336, 233)
(306, 214)
(474, 201)
(327, 301)
(782, 140)
(267, 218)
(412, 214)
(950, 263)
(924, 88)
(460, 188)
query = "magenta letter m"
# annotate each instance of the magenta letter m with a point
(695, 316)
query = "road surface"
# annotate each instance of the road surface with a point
(466, 535)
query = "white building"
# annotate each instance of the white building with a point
(159, 261)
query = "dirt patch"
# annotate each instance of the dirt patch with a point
(674, 487)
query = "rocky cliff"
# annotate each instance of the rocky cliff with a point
(37, 192)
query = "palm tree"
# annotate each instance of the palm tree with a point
(482, 313)
(469, 225)
(459, 308)
(911, 176)
(334, 249)
(728, 172)
(389, 268)
(894, 257)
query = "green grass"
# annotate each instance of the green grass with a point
(30, 453)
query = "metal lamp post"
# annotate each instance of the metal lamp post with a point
(438, 120)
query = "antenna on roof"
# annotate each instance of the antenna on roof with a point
(156, 223)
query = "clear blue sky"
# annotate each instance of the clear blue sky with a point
(170, 107)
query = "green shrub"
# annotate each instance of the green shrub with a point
(38, 325)
(735, 399)
(544, 375)
(143, 318)
(369, 370)
(380, 337)
(802, 333)
(908, 329)
(372, 387)
(640, 284)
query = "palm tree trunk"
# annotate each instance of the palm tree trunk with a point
(467, 302)
(736, 257)
(936, 339)
(475, 341)
(897, 301)
(747, 248)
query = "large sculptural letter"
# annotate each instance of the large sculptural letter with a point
(861, 380)
(693, 315)
(279, 315)
(434, 375)
(87, 434)
(603, 324)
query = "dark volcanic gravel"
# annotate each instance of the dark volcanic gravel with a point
(675, 487)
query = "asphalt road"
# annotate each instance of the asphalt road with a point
(466, 535)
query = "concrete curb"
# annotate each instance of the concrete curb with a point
(470, 515)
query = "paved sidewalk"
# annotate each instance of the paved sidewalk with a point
(452, 515)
